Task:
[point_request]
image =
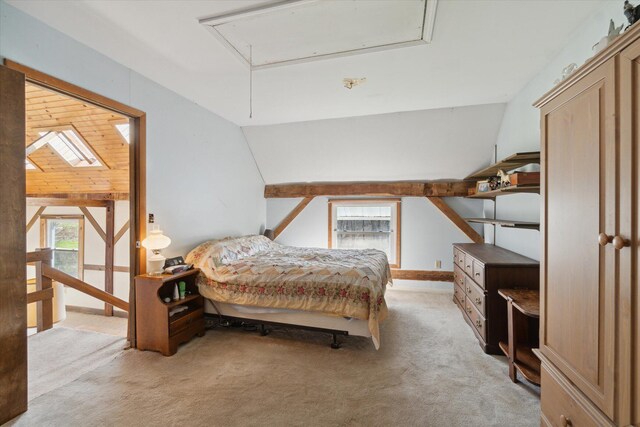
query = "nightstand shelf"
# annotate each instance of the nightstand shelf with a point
(156, 328)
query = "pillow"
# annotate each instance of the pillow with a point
(213, 254)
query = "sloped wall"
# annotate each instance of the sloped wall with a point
(202, 181)
(520, 129)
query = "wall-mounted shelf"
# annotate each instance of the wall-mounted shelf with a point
(506, 191)
(506, 223)
(512, 162)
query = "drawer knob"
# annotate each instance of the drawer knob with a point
(565, 421)
(478, 324)
(469, 310)
(478, 274)
(619, 243)
(478, 300)
(468, 290)
(604, 239)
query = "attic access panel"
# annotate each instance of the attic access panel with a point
(295, 31)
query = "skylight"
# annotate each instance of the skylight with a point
(123, 128)
(68, 145)
(29, 166)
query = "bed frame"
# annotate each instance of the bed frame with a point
(310, 321)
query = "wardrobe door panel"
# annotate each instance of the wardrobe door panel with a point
(629, 326)
(579, 195)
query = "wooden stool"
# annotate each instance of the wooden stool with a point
(523, 313)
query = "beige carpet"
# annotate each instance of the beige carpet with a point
(61, 355)
(429, 372)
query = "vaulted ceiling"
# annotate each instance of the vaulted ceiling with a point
(482, 52)
(52, 111)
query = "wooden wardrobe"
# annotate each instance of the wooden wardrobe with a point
(590, 298)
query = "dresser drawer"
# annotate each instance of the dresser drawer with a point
(475, 295)
(562, 405)
(477, 320)
(478, 273)
(458, 258)
(185, 321)
(458, 294)
(468, 265)
(458, 276)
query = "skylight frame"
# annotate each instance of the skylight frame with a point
(211, 22)
(80, 148)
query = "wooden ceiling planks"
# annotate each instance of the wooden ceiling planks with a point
(45, 110)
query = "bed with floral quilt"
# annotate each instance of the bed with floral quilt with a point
(254, 271)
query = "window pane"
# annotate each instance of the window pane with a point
(63, 236)
(364, 227)
(66, 261)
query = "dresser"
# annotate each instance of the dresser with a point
(589, 311)
(479, 271)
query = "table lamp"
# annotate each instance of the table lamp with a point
(156, 241)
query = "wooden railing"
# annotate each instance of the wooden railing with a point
(43, 295)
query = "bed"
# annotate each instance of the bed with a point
(254, 278)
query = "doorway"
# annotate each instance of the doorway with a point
(73, 150)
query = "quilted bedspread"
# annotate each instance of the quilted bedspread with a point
(253, 270)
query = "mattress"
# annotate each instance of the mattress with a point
(256, 272)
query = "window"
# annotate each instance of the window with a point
(65, 235)
(123, 130)
(69, 145)
(366, 224)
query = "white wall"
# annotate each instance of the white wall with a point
(426, 237)
(202, 181)
(418, 145)
(94, 251)
(520, 129)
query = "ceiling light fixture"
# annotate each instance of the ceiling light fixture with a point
(349, 83)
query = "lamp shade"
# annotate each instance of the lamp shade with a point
(156, 240)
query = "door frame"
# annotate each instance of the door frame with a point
(137, 168)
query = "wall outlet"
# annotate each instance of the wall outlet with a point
(151, 218)
(438, 264)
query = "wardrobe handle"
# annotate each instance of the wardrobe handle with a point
(565, 421)
(604, 239)
(619, 242)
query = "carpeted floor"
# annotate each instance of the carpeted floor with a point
(429, 372)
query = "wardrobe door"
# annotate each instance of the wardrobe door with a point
(629, 335)
(578, 281)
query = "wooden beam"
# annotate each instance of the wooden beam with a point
(44, 308)
(456, 219)
(84, 287)
(35, 217)
(93, 222)
(43, 254)
(123, 230)
(81, 196)
(109, 255)
(292, 215)
(397, 188)
(13, 307)
(44, 201)
(39, 295)
(430, 275)
(116, 268)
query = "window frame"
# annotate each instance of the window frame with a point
(44, 237)
(60, 129)
(333, 203)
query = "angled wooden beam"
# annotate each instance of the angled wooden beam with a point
(431, 275)
(97, 267)
(93, 222)
(456, 219)
(292, 215)
(53, 201)
(35, 217)
(109, 249)
(121, 232)
(396, 188)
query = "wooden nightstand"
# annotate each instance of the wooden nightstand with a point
(155, 328)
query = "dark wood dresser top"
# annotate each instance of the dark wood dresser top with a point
(494, 255)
